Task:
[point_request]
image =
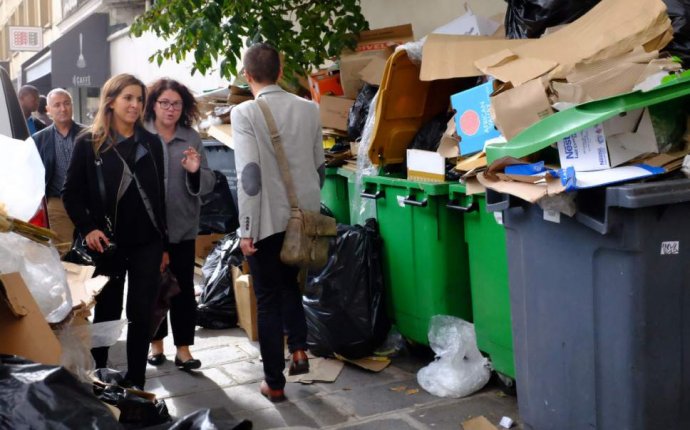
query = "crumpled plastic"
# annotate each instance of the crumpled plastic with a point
(459, 368)
(365, 208)
(217, 308)
(42, 271)
(22, 177)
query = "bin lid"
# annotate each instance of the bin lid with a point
(430, 188)
(404, 104)
(561, 124)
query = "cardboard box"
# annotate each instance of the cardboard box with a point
(246, 303)
(609, 29)
(324, 82)
(335, 111)
(620, 139)
(205, 243)
(473, 118)
(425, 166)
(516, 109)
(23, 329)
(373, 45)
(447, 56)
(223, 134)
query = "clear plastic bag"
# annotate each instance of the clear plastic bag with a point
(42, 271)
(366, 208)
(76, 351)
(459, 368)
(22, 177)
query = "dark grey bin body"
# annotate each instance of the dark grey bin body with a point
(599, 303)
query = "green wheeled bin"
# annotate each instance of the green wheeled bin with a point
(488, 266)
(334, 194)
(353, 206)
(424, 258)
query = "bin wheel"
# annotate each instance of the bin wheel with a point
(506, 384)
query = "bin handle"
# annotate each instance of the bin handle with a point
(453, 205)
(412, 202)
(375, 196)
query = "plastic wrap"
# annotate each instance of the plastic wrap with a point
(365, 208)
(344, 303)
(22, 177)
(39, 396)
(527, 19)
(414, 50)
(76, 351)
(217, 308)
(459, 368)
(42, 271)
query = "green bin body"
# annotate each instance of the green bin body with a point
(350, 178)
(424, 257)
(334, 194)
(488, 265)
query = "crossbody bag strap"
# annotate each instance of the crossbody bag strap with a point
(142, 192)
(280, 153)
(101, 190)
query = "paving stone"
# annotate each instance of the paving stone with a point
(381, 424)
(491, 404)
(369, 400)
(245, 371)
(352, 377)
(182, 405)
(182, 383)
(325, 410)
(220, 355)
(206, 338)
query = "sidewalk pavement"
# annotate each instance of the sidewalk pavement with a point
(228, 384)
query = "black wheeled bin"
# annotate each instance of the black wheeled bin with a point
(599, 302)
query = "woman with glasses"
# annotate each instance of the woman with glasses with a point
(114, 195)
(170, 112)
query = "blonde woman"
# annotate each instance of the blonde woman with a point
(129, 160)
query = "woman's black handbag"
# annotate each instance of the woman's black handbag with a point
(80, 253)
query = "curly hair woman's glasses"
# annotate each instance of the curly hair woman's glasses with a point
(167, 104)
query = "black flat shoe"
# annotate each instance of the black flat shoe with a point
(190, 364)
(156, 359)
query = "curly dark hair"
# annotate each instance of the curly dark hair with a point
(190, 111)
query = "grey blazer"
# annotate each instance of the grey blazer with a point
(263, 205)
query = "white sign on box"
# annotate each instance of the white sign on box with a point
(610, 144)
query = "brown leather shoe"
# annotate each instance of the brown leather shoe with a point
(271, 394)
(299, 363)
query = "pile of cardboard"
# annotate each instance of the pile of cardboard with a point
(610, 51)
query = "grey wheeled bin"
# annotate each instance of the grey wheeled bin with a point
(599, 303)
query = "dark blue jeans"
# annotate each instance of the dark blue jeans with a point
(279, 304)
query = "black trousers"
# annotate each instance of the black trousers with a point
(183, 305)
(279, 304)
(141, 264)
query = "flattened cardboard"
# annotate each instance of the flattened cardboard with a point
(475, 161)
(222, 133)
(478, 423)
(446, 56)
(334, 112)
(83, 286)
(520, 107)
(320, 370)
(372, 73)
(449, 146)
(23, 329)
(246, 304)
(372, 364)
(611, 28)
(528, 192)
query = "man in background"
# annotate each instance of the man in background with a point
(28, 100)
(42, 112)
(55, 144)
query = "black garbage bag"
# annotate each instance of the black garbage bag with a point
(359, 111)
(38, 396)
(136, 412)
(529, 18)
(202, 420)
(679, 12)
(344, 303)
(218, 211)
(429, 136)
(217, 308)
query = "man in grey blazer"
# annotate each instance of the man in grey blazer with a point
(264, 209)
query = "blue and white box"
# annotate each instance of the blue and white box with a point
(473, 120)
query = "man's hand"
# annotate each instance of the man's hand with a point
(165, 261)
(95, 240)
(247, 246)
